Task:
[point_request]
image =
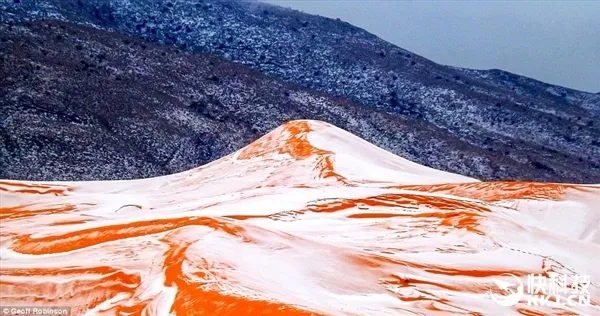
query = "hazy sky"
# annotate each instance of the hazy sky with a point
(553, 41)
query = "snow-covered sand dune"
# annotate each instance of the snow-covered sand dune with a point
(309, 219)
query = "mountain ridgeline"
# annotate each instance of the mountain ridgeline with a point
(138, 88)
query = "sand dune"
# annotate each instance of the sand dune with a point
(307, 220)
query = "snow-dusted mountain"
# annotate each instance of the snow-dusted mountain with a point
(307, 220)
(480, 123)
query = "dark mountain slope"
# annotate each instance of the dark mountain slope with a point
(83, 103)
(551, 129)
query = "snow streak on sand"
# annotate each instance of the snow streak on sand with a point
(307, 220)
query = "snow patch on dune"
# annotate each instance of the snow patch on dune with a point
(307, 220)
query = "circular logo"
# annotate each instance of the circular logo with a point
(512, 291)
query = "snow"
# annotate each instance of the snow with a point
(362, 160)
(308, 219)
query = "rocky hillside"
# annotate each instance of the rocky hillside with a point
(493, 124)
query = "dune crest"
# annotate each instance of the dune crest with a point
(307, 220)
